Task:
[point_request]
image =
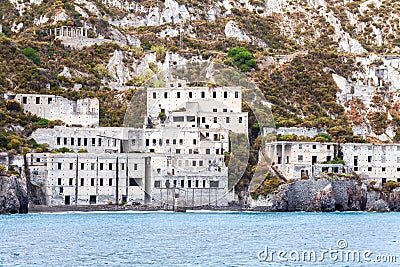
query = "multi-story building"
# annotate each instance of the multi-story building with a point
(379, 162)
(179, 158)
(83, 112)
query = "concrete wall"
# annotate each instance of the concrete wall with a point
(83, 112)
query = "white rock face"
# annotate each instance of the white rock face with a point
(90, 6)
(61, 16)
(346, 43)
(168, 32)
(41, 20)
(233, 31)
(133, 40)
(17, 27)
(81, 11)
(117, 69)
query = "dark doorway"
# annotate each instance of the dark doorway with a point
(314, 159)
(92, 199)
(67, 200)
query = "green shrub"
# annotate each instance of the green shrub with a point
(31, 53)
(242, 58)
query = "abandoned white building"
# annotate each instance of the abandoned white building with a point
(179, 159)
(294, 160)
(379, 162)
(83, 112)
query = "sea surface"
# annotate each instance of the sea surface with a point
(200, 239)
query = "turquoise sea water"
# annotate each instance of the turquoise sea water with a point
(199, 239)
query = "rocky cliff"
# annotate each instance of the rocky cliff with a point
(328, 195)
(13, 196)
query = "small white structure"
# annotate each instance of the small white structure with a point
(295, 160)
(83, 112)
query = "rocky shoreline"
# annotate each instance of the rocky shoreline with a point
(323, 195)
(329, 195)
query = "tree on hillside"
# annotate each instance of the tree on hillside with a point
(242, 58)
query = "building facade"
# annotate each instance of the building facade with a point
(378, 162)
(83, 112)
(178, 159)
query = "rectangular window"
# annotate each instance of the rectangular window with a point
(59, 181)
(314, 147)
(65, 141)
(227, 119)
(203, 94)
(300, 158)
(214, 94)
(240, 119)
(178, 151)
(71, 181)
(59, 166)
(190, 94)
(178, 94)
(92, 182)
(37, 100)
(110, 182)
(355, 160)
(189, 183)
(110, 166)
(182, 183)
(197, 183)
(300, 146)
(207, 151)
(147, 142)
(82, 166)
(165, 95)
(58, 141)
(82, 182)
(122, 166)
(92, 166)
(225, 94)
(225, 110)
(194, 141)
(157, 184)
(370, 169)
(79, 141)
(135, 166)
(133, 182)
(154, 95)
(383, 169)
(72, 141)
(214, 184)
(101, 166)
(24, 100)
(193, 163)
(84, 141)
(204, 183)
(200, 163)
(174, 141)
(369, 158)
(99, 141)
(215, 110)
(236, 94)
(101, 181)
(71, 166)
(93, 141)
